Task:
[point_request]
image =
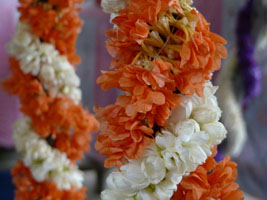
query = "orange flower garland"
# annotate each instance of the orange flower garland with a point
(60, 122)
(211, 180)
(161, 49)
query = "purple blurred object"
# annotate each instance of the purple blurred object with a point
(9, 105)
(251, 71)
(219, 156)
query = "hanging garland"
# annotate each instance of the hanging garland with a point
(54, 131)
(167, 121)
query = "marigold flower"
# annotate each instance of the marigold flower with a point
(27, 188)
(59, 117)
(211, 181)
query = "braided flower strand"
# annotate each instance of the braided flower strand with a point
(166, 124)
(161, 49)
(55, 129)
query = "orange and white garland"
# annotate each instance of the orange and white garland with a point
(163, 130)
(55, 129)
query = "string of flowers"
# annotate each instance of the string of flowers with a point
(167, 121)
(55, 130)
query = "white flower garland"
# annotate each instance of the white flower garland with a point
(44, 61)
(186, 142)
(45, 162)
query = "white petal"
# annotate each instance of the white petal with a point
(216, 131)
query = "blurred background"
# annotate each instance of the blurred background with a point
(250, 144)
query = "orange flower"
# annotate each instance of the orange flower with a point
(199, 58)
(130, 32)
(28, 189)
(58, 29)
(133, 24)
(68, 124)
(150, 91)
(211, 180)
(192, 50)
(121, 137)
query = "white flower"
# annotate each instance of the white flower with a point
(110, 194)
(182, 112)
(153, 166)
(39, 157)
(146, 195)
(206, 113)
(216, 131)
(134, 173)
(165, 189)
(45, 163)
(166, 142)
(21, 41)
(48, 75)
(122, 183)
(44, 61)
(189, 2)
(74, 93)
(113, 6)
(188, 145)
(66, 176)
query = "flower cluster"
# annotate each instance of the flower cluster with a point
(54, 21)
(211, 180)
(60, 118)
(43, 60)
(29, 188)
(56, 129)
(45, 163)
(186, 142)
(161, 49)
(167, 121)
(150, 101)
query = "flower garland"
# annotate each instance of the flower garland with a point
(45, 162)
(186, 142)
(161, 50)
(44, 61)
(167, 121)
(54, 131)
